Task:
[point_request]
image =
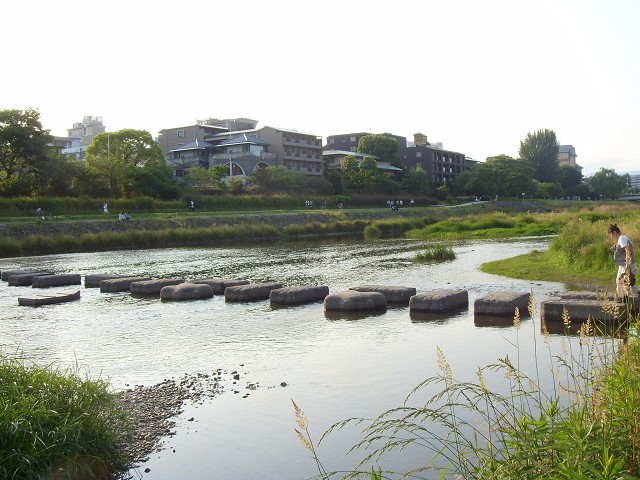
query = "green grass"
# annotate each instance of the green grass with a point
(436, 253)
(53, 424)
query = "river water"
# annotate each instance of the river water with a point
(334, 368)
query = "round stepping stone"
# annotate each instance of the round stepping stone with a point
(186, 291)
(354, 301)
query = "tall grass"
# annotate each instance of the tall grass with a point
(579, 421)
(53, 424)
(435, 253)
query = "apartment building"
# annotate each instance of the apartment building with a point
(442, 166)
(241, 145)
(567, 156)
(80, 136)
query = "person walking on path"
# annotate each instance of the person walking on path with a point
(105, 208)
(625, 259)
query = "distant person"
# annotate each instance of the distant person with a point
(192, 206)
(39, 213)
(105, 208)
(411, 203)
(624, 257)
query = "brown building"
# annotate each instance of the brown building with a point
(241, 145)
(442, 166)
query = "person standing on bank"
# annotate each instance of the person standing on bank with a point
(625, 259)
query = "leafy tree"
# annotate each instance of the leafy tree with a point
(349, 170)
(277, 180)
(381, 146)
(155, 180)
(500, 175)
(607, 183)
(417, 182)
(235, 186)
(113, 156)
(62, 176)
(540, 149)
(550, 190)
(569, 177)
(368, 174)
(198, 176)
(24, 149)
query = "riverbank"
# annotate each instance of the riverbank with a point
(165, 230)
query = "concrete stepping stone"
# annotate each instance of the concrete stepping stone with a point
(93, 280)
(186, 291)
(220, 284)
(581, 310)
(355, 301)
(439, 301)
(250, 292)
(112, 285)
(60, 297)
(393, 294)
(57, 280)
(502, 304)
(22, 279)
(298, 295)
(151, 288)
(7, 273)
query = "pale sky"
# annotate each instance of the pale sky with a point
(477, 75)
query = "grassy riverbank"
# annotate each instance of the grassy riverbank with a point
(53, 424)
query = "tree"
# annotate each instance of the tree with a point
(24, 148)
(540, 149)
(277, 179)
(570, 178)
(500, 175)
(417, 182)
(113, 156)
(607, 183)
(155, 180)
(381, 146)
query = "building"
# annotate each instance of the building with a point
(442, 166)
(334, 159)
(81, 135)
(567, 156)
(240, 144)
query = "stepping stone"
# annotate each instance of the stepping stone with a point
(355, 301)
(581, 310)
(152, 288)
(393, 294)
(502, 304)
(22, 279)
(93, 280)
(112, 285)
(439, 301)
(186, 291)
(249, 292)
(7, 273)
(52, 299)
(220, 284)
(58, 280)
(298, 294)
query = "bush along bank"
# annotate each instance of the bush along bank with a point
(53, 424)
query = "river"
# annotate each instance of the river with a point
(333, 368)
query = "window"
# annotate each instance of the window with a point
(180, 133)
(353, 149)
(353, 139)
(418, 154)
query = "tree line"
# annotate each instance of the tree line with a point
(129, 163)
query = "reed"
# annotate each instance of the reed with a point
(580, 421)
(435, 253)
(54, 424)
